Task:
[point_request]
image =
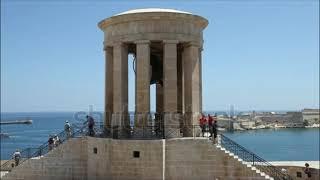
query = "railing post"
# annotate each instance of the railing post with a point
(193, 131)
(252, 159)
(163, 132)
(28, 156)
(142, 132)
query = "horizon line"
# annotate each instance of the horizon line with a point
(261, 110)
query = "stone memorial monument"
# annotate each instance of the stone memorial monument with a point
(166, 45)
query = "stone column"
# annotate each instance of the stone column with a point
(170, 89)
(120, 117)
(200, 79)
(142, 83)
(192, 89)
(180, 84)
(108, 110)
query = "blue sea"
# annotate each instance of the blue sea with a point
(297, 144)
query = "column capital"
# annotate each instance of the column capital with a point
(107, 48)
(142, 42)
(170, 41)
(118, 43)
(105, 45)
(192, 43)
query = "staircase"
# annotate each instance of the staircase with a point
(250, 159)
(37, 153)
(64, 161)
(198, 158)
(257, 171)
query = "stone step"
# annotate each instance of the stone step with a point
(249, 165)
(246, 164)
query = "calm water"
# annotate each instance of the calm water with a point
(281, 144)
(33, 135)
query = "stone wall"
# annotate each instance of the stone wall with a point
(101, 158)
(125, 166)
(98, 164)
(68, 161)
(312, 116)
(297, 173)
(200, 159)
(115, 158)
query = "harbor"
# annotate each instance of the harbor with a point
(283, 140)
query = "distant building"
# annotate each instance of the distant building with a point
(311, 116)
(290, 119)
(248, 124)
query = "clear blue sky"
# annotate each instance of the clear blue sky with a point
(257, 55)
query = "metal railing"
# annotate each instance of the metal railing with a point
(148, 132)
(253, 159)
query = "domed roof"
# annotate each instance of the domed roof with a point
(146, 10)
(153, 14)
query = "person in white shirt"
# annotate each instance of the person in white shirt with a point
(16, 156)
(67, 128)
(56, 140)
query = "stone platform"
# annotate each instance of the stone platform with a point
(103, 158)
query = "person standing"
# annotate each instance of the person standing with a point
(215, 131)
(210, 123)
(50, 143)
(91, 123)
(16, 156)
(307, 170)
(203, 122)
(56, 140)
(67, 128)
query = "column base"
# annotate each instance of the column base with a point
(143, 128)
(172, 125)
(107, 120)
(191, 127)
(142, 120)
(120, 125)
(144, 133)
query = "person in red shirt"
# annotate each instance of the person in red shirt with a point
(203, 123)
(210, 123)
